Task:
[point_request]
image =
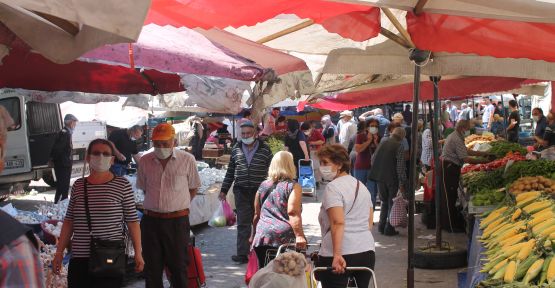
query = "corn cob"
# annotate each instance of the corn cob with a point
(533, 271)
(551, 271)
(492, 228)
(507, 252)
(537, 219)
(537, 206)
(493, 217)
(510, 272)
(547, 231)
(517, 214)
(545, 265)
(500, 273)
(525, 265)
(548, 210)
(526, 250)
(541, 227)
(526, 195)
(498, 266)
(492, 263)
(513, 240)
(552, 236)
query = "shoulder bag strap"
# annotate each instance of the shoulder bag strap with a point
(87, 212)
(354, 201)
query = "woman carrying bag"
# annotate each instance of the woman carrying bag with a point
(277, 205)
(346, 220)
(98, 207)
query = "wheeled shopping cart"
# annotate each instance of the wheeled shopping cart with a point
(352, 280)
(307, 179)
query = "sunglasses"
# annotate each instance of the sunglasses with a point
(98, 153)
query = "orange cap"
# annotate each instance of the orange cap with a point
(163, 131)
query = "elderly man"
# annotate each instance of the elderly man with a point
(125, 146)
(347, 129)
(270, 123)
(454, 155)
(328, 129)
(170, 181)
(541, 124)
(248, 167)
(60, 156)
(466, 112)
(452, 109)
(388, 169)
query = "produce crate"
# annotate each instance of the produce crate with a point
(478, 209)
(212, 153)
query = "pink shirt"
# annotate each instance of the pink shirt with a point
(167, 190)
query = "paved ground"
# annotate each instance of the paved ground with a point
(217, 246)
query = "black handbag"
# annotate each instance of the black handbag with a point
(107, 257)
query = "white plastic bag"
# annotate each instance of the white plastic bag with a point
(267, 278)
(218, 218)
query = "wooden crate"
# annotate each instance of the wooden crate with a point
(212, 153)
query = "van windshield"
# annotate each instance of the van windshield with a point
(13, 107)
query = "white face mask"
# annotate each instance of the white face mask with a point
(100, 163)
(163, 153)
(373, 130)
(536, 118)
(327, 173)
(248, 141)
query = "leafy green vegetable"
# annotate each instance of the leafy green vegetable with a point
(487, 197)
(276, 144)
(529, 168)
(501, 148)
(482, 180)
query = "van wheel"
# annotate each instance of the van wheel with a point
(48, 178)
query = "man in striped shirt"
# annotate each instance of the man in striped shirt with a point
(248, 167)
(170, 179)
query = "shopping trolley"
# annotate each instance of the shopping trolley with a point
(311, 254)
(352, 280)
(307, 179)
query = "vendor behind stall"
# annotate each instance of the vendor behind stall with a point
(125, 148)
(223, 136)
(454, 155)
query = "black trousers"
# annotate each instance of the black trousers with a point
(261, 255)
(63, 175)
(451, 219)
(244, 202)
(331, 280)
(165, 244)
(78, 276)
(387, 193)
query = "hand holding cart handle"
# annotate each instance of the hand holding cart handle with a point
(347, 269)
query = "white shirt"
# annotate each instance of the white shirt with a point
(167, 190)
(452, 112)
(357, 237)
(346, 132)
(488, 112)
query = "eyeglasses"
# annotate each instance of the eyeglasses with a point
(98, 153)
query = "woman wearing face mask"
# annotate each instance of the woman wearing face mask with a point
(367, 140)
(111, 202)
(295, 141)
(346, 220)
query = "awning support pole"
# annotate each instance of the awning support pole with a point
(437, 166)
(398, 26)
(287, 31)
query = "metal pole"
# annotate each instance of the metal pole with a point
(504, 117)
(437, 167)
(413, 176)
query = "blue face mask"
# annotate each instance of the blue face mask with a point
(70, 130)
(248, 141)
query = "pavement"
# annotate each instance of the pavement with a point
(218, 244)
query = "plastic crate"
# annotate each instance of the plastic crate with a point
(479, 209)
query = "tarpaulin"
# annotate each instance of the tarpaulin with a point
(448, 88)
(486, 37)
(27, 70)
(357, 22)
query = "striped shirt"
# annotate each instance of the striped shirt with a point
(110, 204)
(247, 175)
(454, 149)
(168, 189)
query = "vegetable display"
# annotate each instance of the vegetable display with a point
(487, 197)
(474, 139)
(275, 143)
(494, 164)
(502, 148)
(532, 183)
(529, 168)
(519, 238)
(479, 180)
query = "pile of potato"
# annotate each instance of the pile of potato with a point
(532, 183)
(290, 263)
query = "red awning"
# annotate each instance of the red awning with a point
(450, 88)
(27, 70)
(357, 22)
(485, 37)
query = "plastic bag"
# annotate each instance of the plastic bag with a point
(228, 213)
(267, 278)
(252, 267)
(398, 215)
(218, 218)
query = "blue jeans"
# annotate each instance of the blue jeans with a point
(372, 186)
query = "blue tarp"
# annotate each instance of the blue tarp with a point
(475, 264)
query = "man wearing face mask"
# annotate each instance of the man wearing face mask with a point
(60, 156)
(388, 169)
(170, 180)
(125, 147)
(453, 156)
(248, 167)
(541, 124)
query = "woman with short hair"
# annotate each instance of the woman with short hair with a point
(346, 220)
(277, 216)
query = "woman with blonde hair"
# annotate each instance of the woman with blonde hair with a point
(277, 209)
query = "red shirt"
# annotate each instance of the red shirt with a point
(315, 136)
